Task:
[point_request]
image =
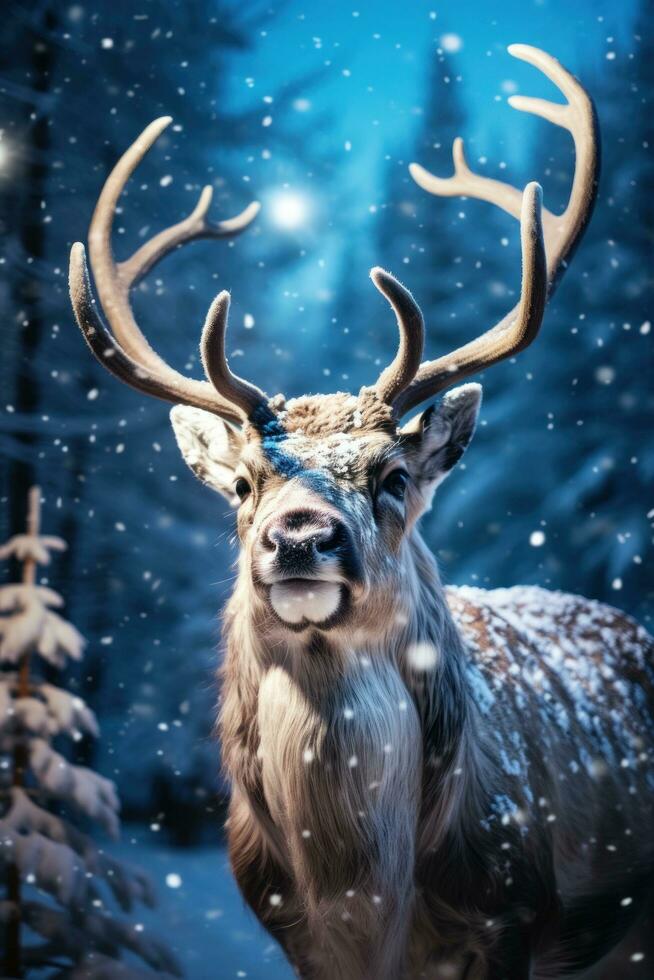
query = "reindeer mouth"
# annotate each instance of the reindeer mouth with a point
(301, 603)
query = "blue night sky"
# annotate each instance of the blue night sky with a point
(375, 58)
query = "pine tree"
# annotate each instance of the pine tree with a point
(61, 889)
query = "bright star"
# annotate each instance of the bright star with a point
(289, 209)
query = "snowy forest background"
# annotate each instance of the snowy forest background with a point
(327, 107)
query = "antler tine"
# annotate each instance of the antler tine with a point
(173, 388)
(125, 351)
(512, 334)
(195, 226)
(114, 280)
(579, 117)
(466, 183)
(212, 348)
(401, 371)
(561, 233)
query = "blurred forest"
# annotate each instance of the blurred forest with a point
(565, 447)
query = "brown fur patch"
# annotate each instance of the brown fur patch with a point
(334, 414)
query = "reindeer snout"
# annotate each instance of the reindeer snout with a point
(300, 540)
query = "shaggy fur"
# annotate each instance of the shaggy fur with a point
(438, 783)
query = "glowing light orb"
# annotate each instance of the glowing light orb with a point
(289, 209)
(451, 43)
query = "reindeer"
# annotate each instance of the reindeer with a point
(426, 781)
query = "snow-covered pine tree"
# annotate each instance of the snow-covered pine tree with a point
(59, 917)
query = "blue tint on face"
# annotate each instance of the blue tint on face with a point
(274, 443)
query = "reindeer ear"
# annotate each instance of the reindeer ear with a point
(210, 446)
(442, 433)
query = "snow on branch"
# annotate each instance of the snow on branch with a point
(91, 793)
(54, 867)
(35, 547)
(6, 705)
(68, 713)
(128, 884)
(47, 710)
(20, 632)
(59, 639)
(13, 598)
(97, 932)
(32, 626)
(31, 715)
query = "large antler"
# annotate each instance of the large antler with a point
(545, 252)
(123, 350)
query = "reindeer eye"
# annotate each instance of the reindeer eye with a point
(395, 484)
(242, 488)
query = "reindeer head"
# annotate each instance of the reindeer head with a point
(329, 487)
(327, 491)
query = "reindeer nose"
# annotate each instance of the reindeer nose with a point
(299, 537)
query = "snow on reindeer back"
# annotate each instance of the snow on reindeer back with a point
(557, 655)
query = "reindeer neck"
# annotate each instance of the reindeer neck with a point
(432, 623)
(342, 749)
(337, 678)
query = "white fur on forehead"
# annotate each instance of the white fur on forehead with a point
(342, 454)
(328, 432)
